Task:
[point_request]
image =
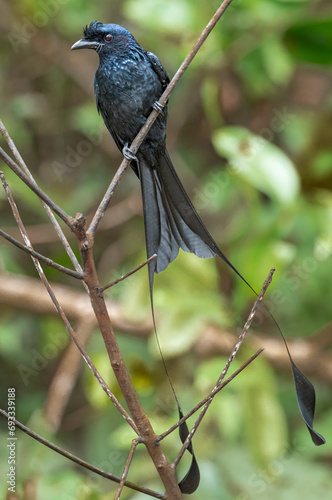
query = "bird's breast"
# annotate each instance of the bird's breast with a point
(124, 75)
(125, 93)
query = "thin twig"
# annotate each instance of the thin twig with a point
(210, 396)
(60, 310)
(78, 460)
(228, 364)
(45, 260)
(55, 223)
(126, 468)
(247, 325)
(154, 256)
(153, 116)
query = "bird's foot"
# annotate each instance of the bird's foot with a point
(158, 107)
(127, 153)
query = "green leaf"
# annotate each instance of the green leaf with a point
(258, 162)
(311, 41)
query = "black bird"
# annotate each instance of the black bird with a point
(128, 83)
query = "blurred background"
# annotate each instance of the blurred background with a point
(249, 132)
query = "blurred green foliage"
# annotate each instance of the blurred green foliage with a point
(250, 133)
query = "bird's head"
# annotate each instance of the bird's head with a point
(105, 38)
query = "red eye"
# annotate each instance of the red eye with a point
(108, 37)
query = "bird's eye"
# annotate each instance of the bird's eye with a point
(108, 37)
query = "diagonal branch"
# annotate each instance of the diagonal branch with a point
(55, 223)
(126, 468)
(45, 260)
(247, 325)
(61, 312)
(78, 460)
(36, 189)
(125, 276)
(28, 247)
(228, 364)
(212, 394)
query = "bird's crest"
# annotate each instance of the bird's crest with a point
(91, 30)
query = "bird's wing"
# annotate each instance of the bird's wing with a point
(158, 69)
(108, 122)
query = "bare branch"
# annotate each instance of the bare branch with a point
(247, 325)
(55, 223)
(126, 469)
(61, 312)
(45, 260)
(128, 274)
(28, 247)
(228, 364)
(210, 396)
(33, 186)
(78, 460)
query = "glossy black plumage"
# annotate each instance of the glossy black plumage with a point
(128, 82)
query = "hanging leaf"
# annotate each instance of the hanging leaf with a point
(258, 161)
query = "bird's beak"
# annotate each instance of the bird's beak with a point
(85, 44)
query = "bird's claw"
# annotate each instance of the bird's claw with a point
(127, 153)
(158, 107)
